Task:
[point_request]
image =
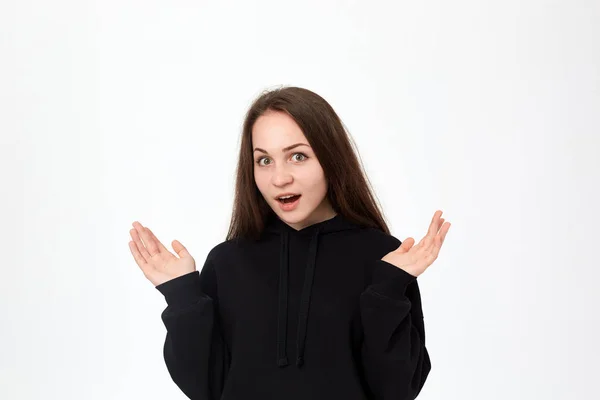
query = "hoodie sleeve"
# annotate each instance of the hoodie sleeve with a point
(195, 352)
(394, 358)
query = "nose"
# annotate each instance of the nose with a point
(281, 177)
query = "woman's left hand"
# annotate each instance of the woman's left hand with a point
(415, 260)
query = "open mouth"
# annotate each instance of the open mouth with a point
(289, 199)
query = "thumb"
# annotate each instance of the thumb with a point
(406, 245)
(180, 249)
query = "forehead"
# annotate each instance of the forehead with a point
(275, 130)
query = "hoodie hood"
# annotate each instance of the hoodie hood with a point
(277, 227)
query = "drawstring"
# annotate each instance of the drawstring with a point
(282, 360)
(305, 300)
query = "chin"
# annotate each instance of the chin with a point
(291, 217)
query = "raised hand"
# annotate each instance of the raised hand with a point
(157, 263)
(415, 260)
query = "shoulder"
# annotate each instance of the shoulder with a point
(229, 252)
(378, 242)
(379, 271)
(221, 250)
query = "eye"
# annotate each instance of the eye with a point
(260, 159)
(302, 154)
(304, 157)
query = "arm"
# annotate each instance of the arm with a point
(394, 358)
(195, 353)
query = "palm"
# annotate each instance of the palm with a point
(157, 263)
(416, 259)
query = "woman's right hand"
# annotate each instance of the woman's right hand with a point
(157, 263)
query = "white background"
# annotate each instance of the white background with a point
(116, 111)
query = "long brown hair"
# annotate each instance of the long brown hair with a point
(349, 190)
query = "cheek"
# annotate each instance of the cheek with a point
(316, 177)
(316, 184)
(260, 181)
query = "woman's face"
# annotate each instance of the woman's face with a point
(279, 169)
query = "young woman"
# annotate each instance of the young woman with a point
(309, 296)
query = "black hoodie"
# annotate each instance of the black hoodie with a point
(305, 314)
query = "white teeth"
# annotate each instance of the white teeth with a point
(287, 197)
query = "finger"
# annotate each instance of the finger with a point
(180, 249)
(440, 239)
(139, 228)
(406, 245)
(443, 231)
(161, 247)
(140, 246)
(150, 245)
(139, 259)
(437, 246)
(435, 225)
(427, 241)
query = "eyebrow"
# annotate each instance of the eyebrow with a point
(284, 149)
